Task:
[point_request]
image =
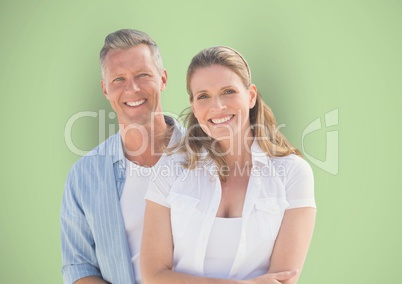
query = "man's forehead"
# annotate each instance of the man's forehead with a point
(137, 51)
(119, 60)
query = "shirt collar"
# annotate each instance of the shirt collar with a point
(259, 157)
(206, 162)
(118, 153)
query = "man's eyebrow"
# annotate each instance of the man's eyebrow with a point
(116, 74)
(143, 69)
(138, 70)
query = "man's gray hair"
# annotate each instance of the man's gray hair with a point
(125, 39)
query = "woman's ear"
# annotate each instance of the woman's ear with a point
(253, 95)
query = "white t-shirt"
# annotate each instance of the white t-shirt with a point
(193, 196)
(132, 199)
(133, 208)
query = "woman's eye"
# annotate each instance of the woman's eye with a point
(203, 96)
(229, 91)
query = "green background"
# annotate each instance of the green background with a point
(307, 58)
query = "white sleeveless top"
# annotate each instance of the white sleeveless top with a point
(222, 247)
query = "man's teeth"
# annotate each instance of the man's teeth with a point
(137, 103)
(221, 120)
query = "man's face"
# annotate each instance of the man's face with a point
(132, 83)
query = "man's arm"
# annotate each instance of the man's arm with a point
(78, 246)
(91, 280)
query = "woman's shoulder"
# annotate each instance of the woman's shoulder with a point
(289, 160)
(292, 165)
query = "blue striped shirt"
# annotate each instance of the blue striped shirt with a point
(93, 236)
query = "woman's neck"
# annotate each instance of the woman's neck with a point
(238, 151)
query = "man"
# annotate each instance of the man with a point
(103, 202)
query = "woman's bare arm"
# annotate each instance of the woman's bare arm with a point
(293, 241)
(157, 254)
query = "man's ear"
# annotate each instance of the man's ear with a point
(164, 80)
(104, 89)
(253, 95)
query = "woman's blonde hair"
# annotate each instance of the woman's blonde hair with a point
(262, 120)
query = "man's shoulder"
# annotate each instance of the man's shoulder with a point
(104, 153)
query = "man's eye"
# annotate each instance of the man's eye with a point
(118, 79)
(143, 75)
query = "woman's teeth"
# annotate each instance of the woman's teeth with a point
(221, 120)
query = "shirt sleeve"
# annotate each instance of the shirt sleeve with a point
(162, 179)
(78, 249)
(299, 185)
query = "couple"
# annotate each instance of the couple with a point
(236, 204)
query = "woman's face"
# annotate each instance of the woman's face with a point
(221, 103)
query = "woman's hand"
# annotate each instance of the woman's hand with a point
(273, 278)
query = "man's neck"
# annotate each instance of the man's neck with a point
(144, 144)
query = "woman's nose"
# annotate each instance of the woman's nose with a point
(217, 104)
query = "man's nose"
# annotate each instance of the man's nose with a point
(132, 86)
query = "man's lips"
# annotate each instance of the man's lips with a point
(136, 103)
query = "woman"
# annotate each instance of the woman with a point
(242, 207)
